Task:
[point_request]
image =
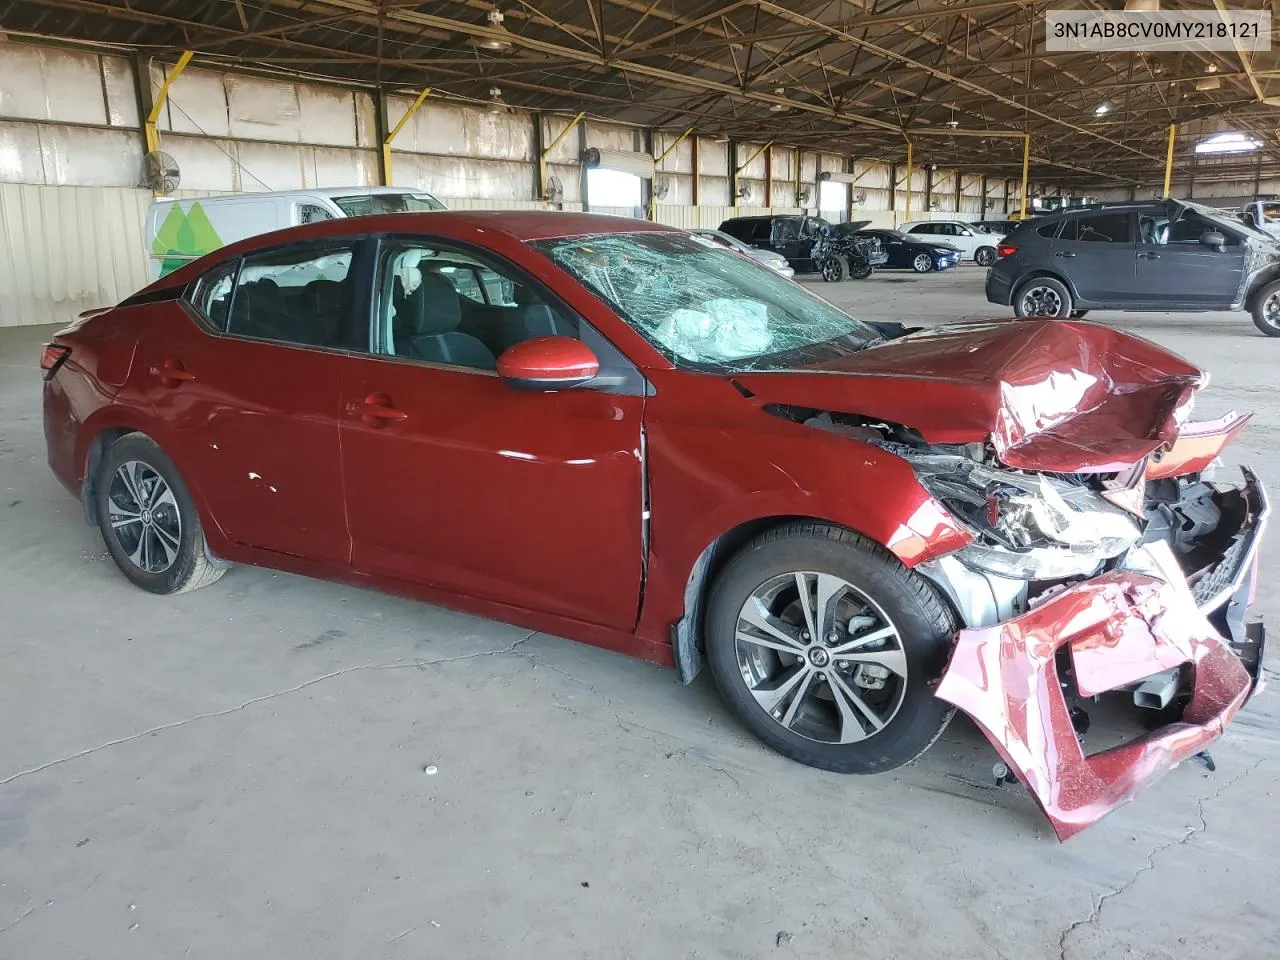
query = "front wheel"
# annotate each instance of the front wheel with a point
(922, 263)
(826, 648)
(860, 268)
(1266, 309)
(835, 268)
(1042, 297)
(149, 521)
(985, 256)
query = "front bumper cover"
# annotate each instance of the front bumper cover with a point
(1119, 627)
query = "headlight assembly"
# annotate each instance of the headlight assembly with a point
(1027, 526)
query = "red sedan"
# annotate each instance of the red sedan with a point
(617, 432)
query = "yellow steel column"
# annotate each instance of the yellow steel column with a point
(909, 160)
(542, 158)
(1168, 160)
(153, 118)
(1026, 169)
(386, 145)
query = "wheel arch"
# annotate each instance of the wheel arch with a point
(94, 454)
(1042, 274)
(687, 633)
(1264, 279)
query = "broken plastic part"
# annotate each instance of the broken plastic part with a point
(1120, 627)
(1198, 444)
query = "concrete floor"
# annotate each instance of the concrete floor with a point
(240, 771)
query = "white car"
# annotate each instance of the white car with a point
(774, 261)
(972, 243)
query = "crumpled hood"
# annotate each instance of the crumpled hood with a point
(1052, 395)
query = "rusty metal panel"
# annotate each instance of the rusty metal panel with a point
(469, 177)
(755, 168)
(263, 109)
(326, 116)
(609, 136)
(20, 159)
(566, 151)
(366, 120)
(74, 156)
(68, 249)
(336, 167)
(714, 191)
(209, 165)
(121, 99)
(463, 131)
(680, 159)
(197, 102)
(713, 158)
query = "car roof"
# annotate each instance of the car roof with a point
(309, 192)
(519, 225)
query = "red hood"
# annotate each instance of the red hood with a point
(1066, 397)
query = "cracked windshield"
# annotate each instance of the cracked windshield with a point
(706, 307)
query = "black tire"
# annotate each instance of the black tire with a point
(924, 625)
(155, 565)
(860, 268)
(835, 268)
(922, 263)
(1266, 309)
(1042, 297)
(984, 256)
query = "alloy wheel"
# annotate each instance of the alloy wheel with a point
(830, 270)
(145, 518)
(1271, 310)
(985, 257)
(821, 658)
(922, 263)
(1041, 301)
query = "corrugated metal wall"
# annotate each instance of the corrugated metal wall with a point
(68, 249)
(69, 122)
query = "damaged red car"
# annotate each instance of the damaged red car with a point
(618, 432)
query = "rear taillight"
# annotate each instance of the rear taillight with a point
(1004, 250)
(53, 357)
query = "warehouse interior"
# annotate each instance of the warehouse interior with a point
(284, 766)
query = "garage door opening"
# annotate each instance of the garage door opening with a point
(833, 201)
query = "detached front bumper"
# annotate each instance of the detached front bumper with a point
(1118, 629)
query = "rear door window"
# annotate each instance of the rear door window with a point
(1101, 228)
(295, 294)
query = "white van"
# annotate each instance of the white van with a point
(179, 231)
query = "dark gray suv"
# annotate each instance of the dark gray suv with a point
(1157, 255)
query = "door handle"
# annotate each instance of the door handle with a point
(1064, 253)
(375, 410)
(1148, 256)
(172, 373)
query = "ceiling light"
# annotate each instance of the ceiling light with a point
(1228, 143)
(1103, 107)
(498, 43)
(953, 124)
(496, 103)
(1208, 83)
(779, 107)
(1211, 68)
(1142, 6)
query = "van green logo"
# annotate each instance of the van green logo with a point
(183, 236)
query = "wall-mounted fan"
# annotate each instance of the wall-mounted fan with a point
(802, 197)
(555, 189)
(661, 187)
(744, 192)
(160, 173)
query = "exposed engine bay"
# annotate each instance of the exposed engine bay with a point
(1063, 565)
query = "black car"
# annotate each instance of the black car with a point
(1157, 255)
(905, 252)
(1002, 227)
(792, 235)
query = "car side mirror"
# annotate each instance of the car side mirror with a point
(1212, 238)
(548, 363)
(966, 233)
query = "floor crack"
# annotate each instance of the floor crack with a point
(1149, 863)
(394, 665)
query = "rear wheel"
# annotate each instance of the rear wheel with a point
(1266, 309)
(1042, 297)
(860, 268)
(985, 256)
(826, 648)
(835, 268)
(148, 520)
(922, 263)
